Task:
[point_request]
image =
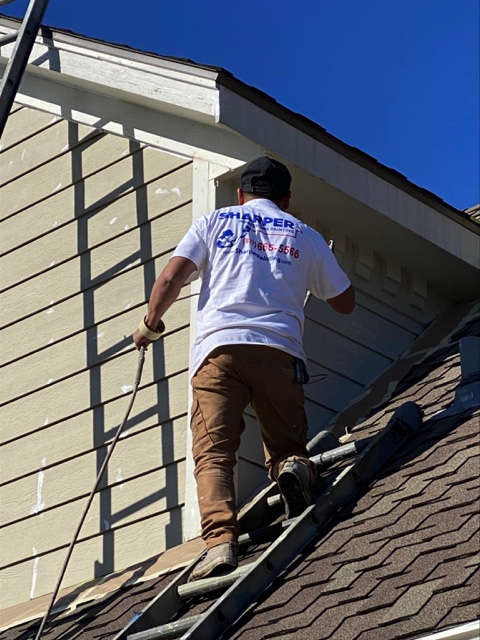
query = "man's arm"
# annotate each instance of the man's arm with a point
(345, 302)
(164, 292)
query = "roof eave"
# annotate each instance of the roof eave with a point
(358, 156)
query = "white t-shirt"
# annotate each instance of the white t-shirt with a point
(256, 263)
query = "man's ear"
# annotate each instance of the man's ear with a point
(240, 196)
(285, 201)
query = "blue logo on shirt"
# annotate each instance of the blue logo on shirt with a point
(226, 239)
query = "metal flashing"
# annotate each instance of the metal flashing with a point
(467, 393)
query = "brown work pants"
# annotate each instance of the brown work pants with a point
(229, 378)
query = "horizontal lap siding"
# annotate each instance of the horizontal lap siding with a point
(59, 399)
(350, 351)
(73, 432)
(159, 532)
(50, 142)
(88, 220)
(22, 124)
(58, 243)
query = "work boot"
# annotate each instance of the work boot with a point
(295, 485)
(217, 561)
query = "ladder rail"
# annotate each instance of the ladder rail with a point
(24, 41)
(405, 422)
(255, 578)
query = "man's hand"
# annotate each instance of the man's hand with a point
(165, 291)
(139, 340)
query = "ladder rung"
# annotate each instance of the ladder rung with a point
(206, 585)
(10, 37)
(166, 631)
(265, 534)
(323, 460)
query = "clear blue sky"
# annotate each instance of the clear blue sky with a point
(399, 79)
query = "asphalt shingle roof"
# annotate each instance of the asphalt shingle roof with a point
(399, 561)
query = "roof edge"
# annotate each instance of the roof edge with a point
(316, 131)
(468, 631)
(261, 99)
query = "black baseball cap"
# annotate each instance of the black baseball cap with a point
(266, 176)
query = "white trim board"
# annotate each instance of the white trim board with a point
(468, 631)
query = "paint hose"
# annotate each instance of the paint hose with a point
(138, 376)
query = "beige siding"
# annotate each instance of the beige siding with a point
(88, 219)
(50, 440)
(59, 242)
(42, 571)
(23, 124)
(50, 142)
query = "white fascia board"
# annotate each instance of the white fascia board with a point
(468, 631)
(327, 164)
(177, 88)
(152, 126)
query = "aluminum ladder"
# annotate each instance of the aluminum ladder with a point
(161, 619)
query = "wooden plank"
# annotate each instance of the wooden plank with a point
(165, 193)
(61, 319)
(166, 232)
(23, 123)
(394, 307)
(61, 172)
(392, 311)
(49, 445)
(36, 575)
(77, 394)
(342, 355)
(105, 261)
(143, 166)
(334, 391)
(128, 502)
(42, 292)
(363, 326)
(62, 242)
(40, 148)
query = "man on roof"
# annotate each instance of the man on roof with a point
(257, 263)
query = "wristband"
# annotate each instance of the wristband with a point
(148, 333)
